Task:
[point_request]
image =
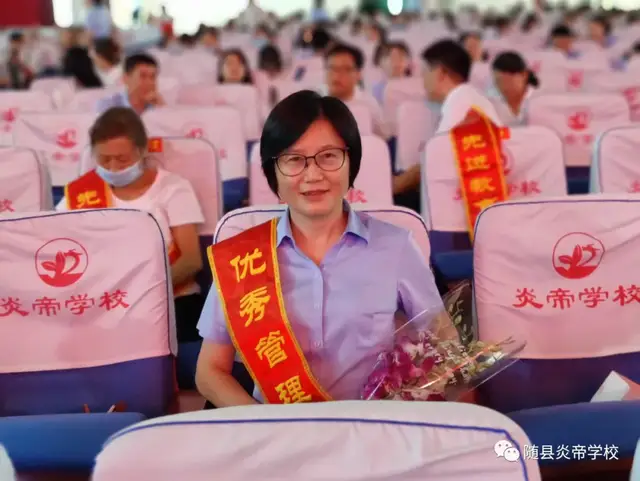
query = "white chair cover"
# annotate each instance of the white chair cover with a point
(244, 98)
(416, 125)
(533, 164)
(241, 219)
(623, 83)
(59, 140)
(194, 160)
(14, 102)
(363, 117)
(396, 92)
(24, 184)
(558, 307)
(333, 441)
(60, 90)
(222, 126)
(86, 100)
(81, 293)
(615, 167)
(373, 183)
(578, 118)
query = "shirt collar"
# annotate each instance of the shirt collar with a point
(126, 103)
(355, 226)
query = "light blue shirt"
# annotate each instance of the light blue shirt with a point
(99, 22)
(120, 99)
(342, 312)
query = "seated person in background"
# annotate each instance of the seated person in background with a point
(396, 63)
(233, 68)
(270, 62)
(446, 76)
(562, 40)
(600, 32)
(141, 86)
(210, 40)
(514, 84)
(19, 73)
(186, 42)
(123, 179)
(326, 259)
(472, 43)
(78, 64)
(263, 35)
(106, 60)
(344, 74)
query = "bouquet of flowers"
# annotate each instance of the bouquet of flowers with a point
(436, 356)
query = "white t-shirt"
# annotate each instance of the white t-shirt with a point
(507, 115)
(458, 103)
(172, 202)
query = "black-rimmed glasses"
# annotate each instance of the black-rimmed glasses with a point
(328, 160)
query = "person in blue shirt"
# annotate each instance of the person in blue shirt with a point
(141, 81)
(98, 21)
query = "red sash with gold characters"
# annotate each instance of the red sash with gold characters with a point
(91, 192)
(245, 269)
(477, 146)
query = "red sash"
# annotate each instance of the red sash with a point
(91, 192)
(477, 146)
(246, 272)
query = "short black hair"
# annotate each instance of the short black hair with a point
(269, 58)
(107, 49)
(16, 37)
(292, 117)
(451, 56)
(320, 40)
(604, 21)
(512, 62)
(355, 53)
(132, 61)
(560, 31)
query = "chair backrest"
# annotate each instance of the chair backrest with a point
(396, 92)
(416, 125)
(578, 118)
(615, 168)
(222, 126)
(24, 185)
(86, 100)
(284, 88)
(533, 164)
(244, 98)
(87, 310)
(363, 117)
(192, 159)
(60, 90)
(623, 83)
(59, 140)
(442, 436)
(373, 184)
(241, 219)
(14, 102)
(554, 272)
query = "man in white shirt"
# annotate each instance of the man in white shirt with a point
(446, 76)
(344, 73)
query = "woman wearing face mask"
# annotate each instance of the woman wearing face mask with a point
(321, 259)
(234, 68)
(122, 179)
(514, 84)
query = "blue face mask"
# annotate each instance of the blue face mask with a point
(121, 178)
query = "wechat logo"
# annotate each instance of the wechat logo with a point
(504, 449)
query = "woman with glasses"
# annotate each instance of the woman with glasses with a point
(123, 179)
(308, 299)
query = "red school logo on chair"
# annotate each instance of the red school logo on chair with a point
(67, 139)
(61, 262)
(577, 255)
(579, 120)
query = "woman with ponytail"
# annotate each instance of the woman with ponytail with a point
(514, 83)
